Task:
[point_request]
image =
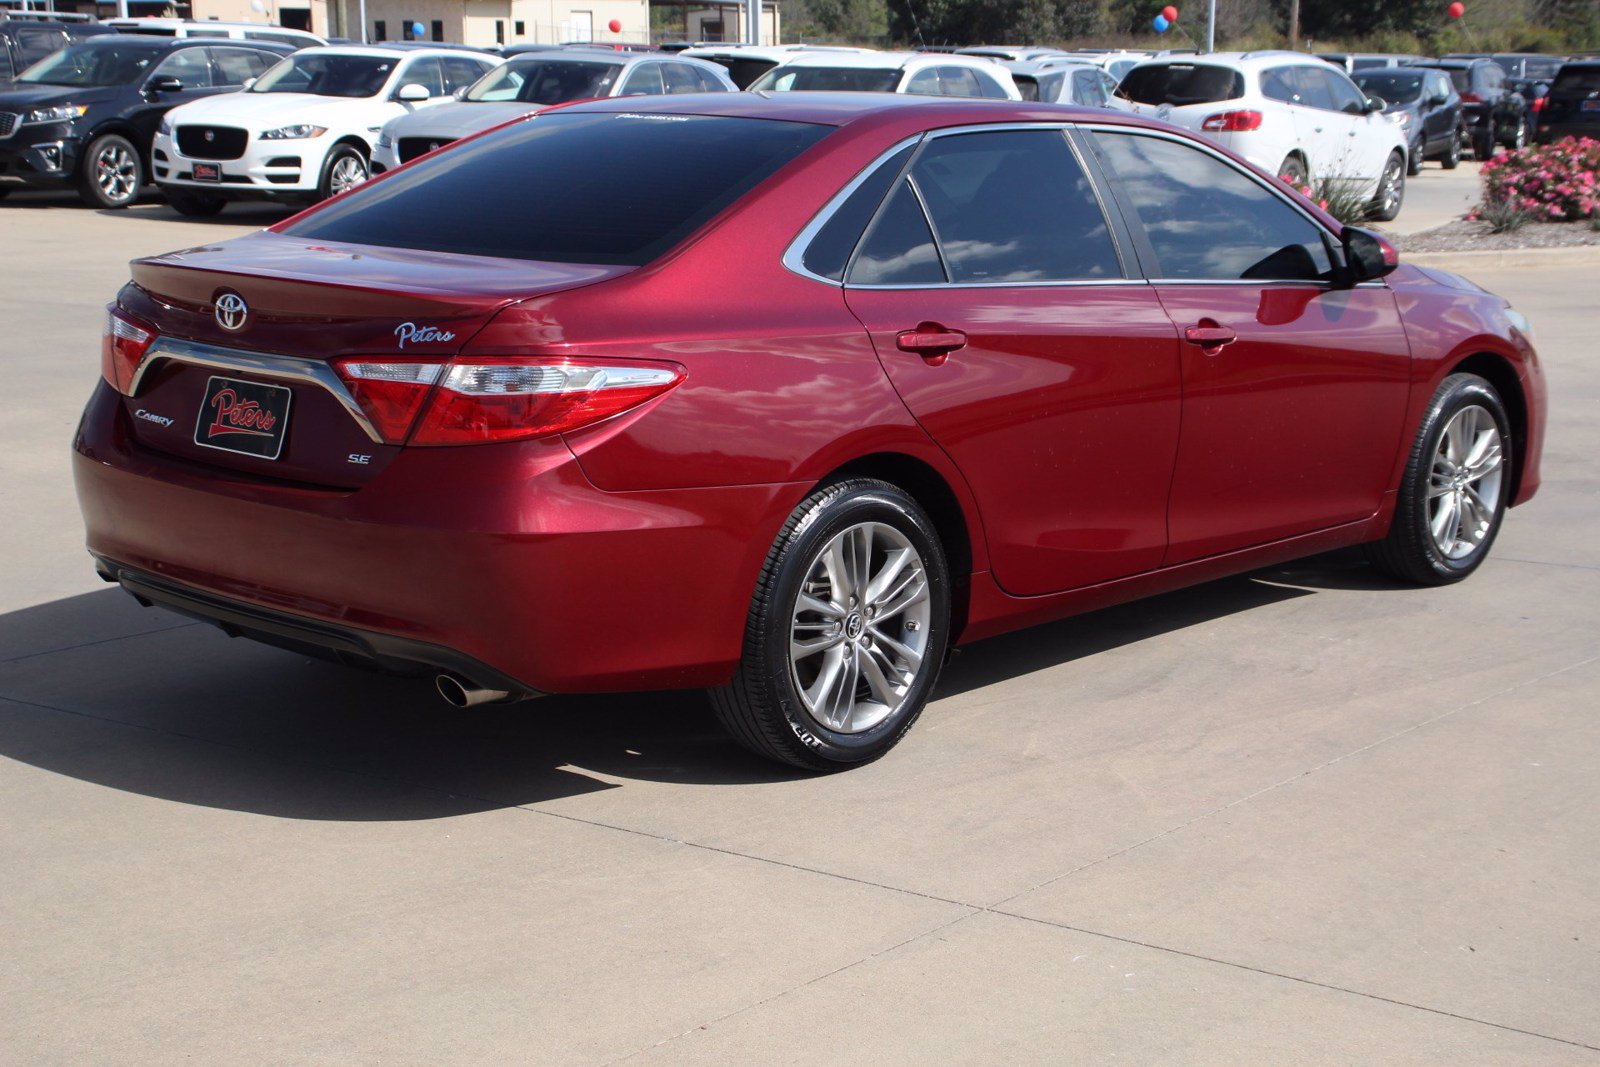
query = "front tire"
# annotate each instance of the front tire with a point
(111, 173)
(1455, 489)
(846, 633)
(1391, 190)
(345, 168)
(1483, 147)
(1519, 137)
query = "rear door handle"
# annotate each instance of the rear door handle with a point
(1210, 337)
(931, 341)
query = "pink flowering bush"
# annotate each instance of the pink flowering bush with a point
(1550, 183)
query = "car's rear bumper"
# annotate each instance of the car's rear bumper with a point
(503, 556)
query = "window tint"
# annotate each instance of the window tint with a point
(924, 83)
(1310, 88)
(644, 80)
(546, 81)
(829, 251)
(958, 81)
(34, 43)
(1276, 85)
(1181, 83)
(325, 74)
(679, 78)
(1395, 86)
(568, 188)
(1581, 78)
(459, 73)
(424, 72)
(899, 248)
(1086, 88)
(1013, 207)
(1206, 220)
(235, 66)
(829, 79)
(708, 81)
(1346, 97)
(191, 66)
(988, 88)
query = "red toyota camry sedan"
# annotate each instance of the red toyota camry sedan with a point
(783, 398)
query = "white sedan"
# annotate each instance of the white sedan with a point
(305, 130)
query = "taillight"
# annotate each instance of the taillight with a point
(1471, 98)
(123, 347)
(483, 399)
(1232, 121)
(1538, 104)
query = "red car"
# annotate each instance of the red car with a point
(783, 398)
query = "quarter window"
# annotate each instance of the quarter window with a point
(899, 248)
(1206, 220)
(830, 249)
(235, 66)
(644, 81)
(190, 66)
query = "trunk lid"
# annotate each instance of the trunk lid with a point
(306, 304)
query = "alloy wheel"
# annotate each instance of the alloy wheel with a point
(1389, 192)
(348, 172)
(116, 173)
(1464, 484)
(859, 627)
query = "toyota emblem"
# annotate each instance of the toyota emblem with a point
(211, 135)
(231, 311)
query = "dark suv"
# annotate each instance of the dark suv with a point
(1573, 107)
(1425, 104)
(1495, 114)
(85, 116)
(25, 41)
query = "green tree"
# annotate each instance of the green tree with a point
(835, 20)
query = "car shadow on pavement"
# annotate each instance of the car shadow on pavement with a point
(96, 689)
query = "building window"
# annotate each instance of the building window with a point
(500, 31)
(519, 28)
(438, 30)
(380, 30)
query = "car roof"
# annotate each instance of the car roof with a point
(851, 109)
(390, 51)
(887, 60)
(210, 24)
(108, 40)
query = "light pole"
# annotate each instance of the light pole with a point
(1211, 26)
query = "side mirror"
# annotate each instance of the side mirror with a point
(461, 93)
(412, 93)
(163, 83)
(247, 83)
(1367, 255)
(1373, 104)
(1437, 100)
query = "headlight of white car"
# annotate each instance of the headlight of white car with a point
(1401, 117)
(294, 133)
(165, 129)
(58, 113)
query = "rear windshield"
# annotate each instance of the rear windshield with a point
(95, 63)
(323, 74)
(742, 69)
(1461, 78)
(546, 81)
(828, 79)
(1585, 79)
(1539, 68)
(1181, 83)
(1393, 86)
(568, 188)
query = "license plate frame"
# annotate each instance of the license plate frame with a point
(252, 416)
(206, 172)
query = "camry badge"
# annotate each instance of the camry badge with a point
(231, 311)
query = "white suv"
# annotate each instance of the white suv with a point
(919, 73)
(237, 31)
(1290, 114)
(304, 130)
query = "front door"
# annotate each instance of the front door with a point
(1295, 391)
(997, 301)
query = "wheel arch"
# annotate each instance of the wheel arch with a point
(122, 128)
(1499, 372)
(951, 521)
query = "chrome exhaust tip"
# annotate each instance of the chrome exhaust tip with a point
(463, 694)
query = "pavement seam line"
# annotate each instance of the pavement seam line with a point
(1549, 563)
(101, 641)
(1295, 778)
(868, 958)
(1289, 977)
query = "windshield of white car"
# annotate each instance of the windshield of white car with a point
(95, 64)
(327, 75)
(545, 81)
(567, 187)
(1180, 84)
(828, 79)
(1394, 86)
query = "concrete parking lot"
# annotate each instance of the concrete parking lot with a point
(1300, 816)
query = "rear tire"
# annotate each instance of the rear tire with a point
(195, 205)
(846, 633)
(1414, 161)
(1293, 170)
(1519, 138)
(1455, 489)
(1452, 155)
(1483, 147)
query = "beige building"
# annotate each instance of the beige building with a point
(492, 22)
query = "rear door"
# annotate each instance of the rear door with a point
(1294, 391)
(993, 287)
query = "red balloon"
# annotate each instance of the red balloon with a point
(616, 25)
(1169, 13)
(1456, 10)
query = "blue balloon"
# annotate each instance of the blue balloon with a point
(1161, 24)
(416, 29)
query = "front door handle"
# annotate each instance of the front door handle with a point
(1210, 337)
(931, 341)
